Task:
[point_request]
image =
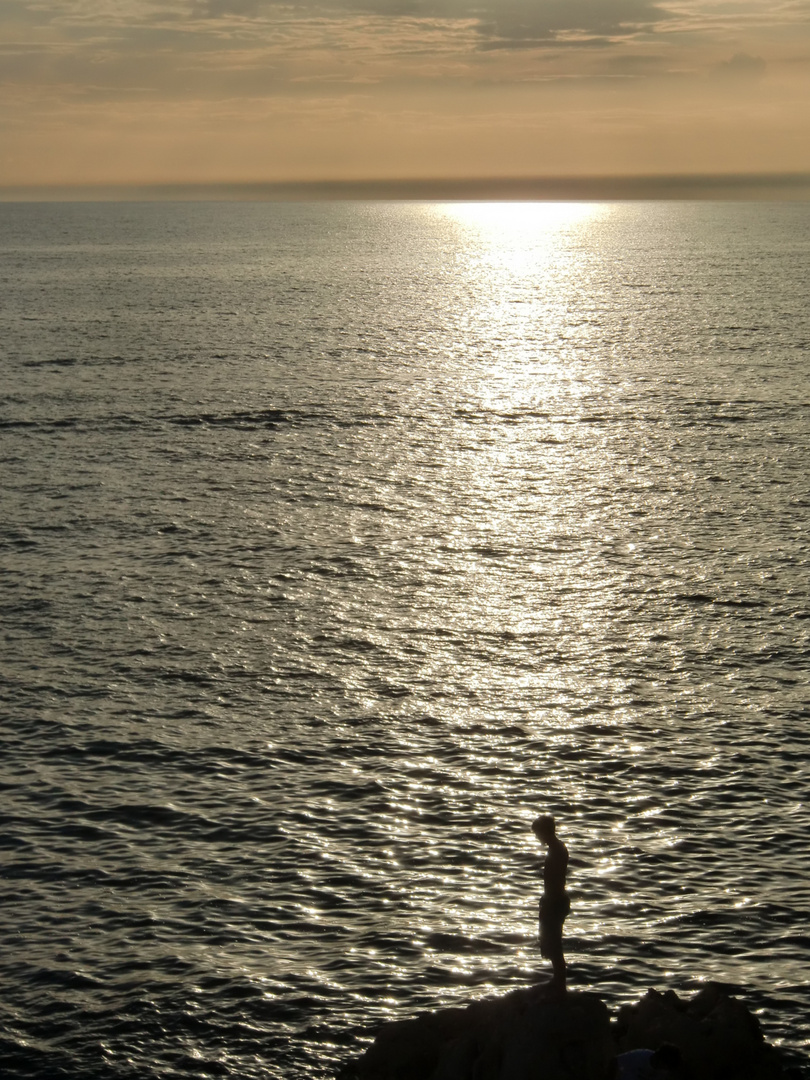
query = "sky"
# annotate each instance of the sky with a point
(233, 91)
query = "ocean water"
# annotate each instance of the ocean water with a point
(341, 540)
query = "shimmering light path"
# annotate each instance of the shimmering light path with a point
(340, 541)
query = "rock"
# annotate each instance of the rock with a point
(718, 1037)
(526, 1035)
(520, 1036)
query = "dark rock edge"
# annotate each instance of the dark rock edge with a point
(528, 1035)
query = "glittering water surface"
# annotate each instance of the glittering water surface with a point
(341, 540)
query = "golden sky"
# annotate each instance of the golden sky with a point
(167, 91)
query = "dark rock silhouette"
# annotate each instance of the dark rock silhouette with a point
(527, 1035)
(522, 1034)
(718, 1037)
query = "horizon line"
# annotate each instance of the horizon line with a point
(630, 187)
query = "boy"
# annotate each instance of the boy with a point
(554, 903)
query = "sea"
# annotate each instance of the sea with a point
(338, 542)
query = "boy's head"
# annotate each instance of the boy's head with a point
(544, 828)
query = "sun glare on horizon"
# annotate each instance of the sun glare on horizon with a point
(521, 237)
(516, 223)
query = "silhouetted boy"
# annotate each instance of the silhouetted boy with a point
(554, 903)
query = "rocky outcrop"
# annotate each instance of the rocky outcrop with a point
(522, 1034)
(527, 1035)
(718, 1037)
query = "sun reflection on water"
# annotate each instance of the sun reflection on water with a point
(521, 224)
(528, 313)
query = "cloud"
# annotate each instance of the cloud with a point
(741, 66)
(259, 46)
(220, 9)
(209, 48)
(527, 23)
(509, 21)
